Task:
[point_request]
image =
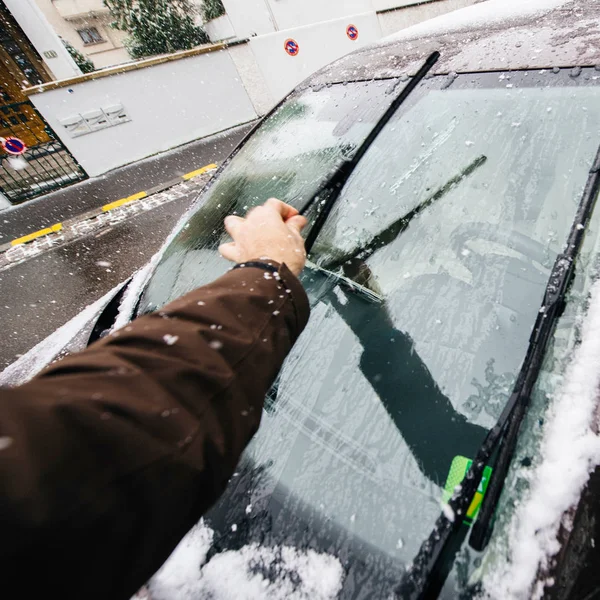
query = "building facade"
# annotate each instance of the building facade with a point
(85, 24)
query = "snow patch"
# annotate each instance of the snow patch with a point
(177, 579)
(448, 512)
(170, 339)
(134, 289)
(254, 572)
(571, 450)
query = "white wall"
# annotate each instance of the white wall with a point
(395, 20)
(257, 17)
(296, 13)
(249, 17)
(390, 4)
(219, 29)
(169, 104)
(252, 78)
(319, 45)
(43, 37)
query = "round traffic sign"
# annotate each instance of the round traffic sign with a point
(352, 32)
(291, 47)
(13, 145)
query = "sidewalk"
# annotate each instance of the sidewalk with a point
(126, 182)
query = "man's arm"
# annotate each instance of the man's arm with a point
(111, 455)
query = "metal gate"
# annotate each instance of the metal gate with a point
(48, 165)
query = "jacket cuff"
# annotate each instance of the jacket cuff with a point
(299, 296)
(292, 283)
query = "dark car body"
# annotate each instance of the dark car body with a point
(411, 352)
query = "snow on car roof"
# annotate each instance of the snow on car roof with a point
(488, 36)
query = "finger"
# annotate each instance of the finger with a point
(232, 223)
(297, 223)
(229, 251)
(285, 210)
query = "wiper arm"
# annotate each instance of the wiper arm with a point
(331, 188)
(416, 582)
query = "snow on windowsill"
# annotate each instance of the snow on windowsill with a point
(570, 451)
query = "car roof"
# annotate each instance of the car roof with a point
(494, 35)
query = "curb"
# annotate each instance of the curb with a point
(30, 237)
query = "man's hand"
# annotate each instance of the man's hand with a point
(271, 231)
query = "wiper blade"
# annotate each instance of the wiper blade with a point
(417, 581)
(552, 308)
(331, 188)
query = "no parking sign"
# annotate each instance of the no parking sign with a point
(13, 145)
(291, 47)
(352, 32)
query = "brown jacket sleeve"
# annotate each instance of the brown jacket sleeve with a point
(111, 455)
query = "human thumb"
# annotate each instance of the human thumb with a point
(232, 223)
(297, 223)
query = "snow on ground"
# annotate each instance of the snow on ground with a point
(242, 574)
(487, 14)
(571, 450)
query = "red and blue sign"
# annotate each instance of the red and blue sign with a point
(13, 145)
(291, 47)
(352, 32)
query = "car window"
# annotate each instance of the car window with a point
(287, 158)
(450, 224)
(465, 278)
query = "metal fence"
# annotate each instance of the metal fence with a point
(47, 164)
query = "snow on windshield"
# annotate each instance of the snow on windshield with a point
(570, 451)
(251, 573)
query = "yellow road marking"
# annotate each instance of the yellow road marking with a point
(122, 201)
(36, 234)
(199, 171)
(58, 226)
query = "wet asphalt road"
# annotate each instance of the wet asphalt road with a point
(42, 293)
(125, 181)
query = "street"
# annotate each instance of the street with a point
(42, 293)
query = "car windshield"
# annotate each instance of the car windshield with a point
(450, 223)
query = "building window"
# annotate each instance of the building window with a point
(90, 35)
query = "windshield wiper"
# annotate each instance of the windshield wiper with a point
(331, 188)
(419, 579)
